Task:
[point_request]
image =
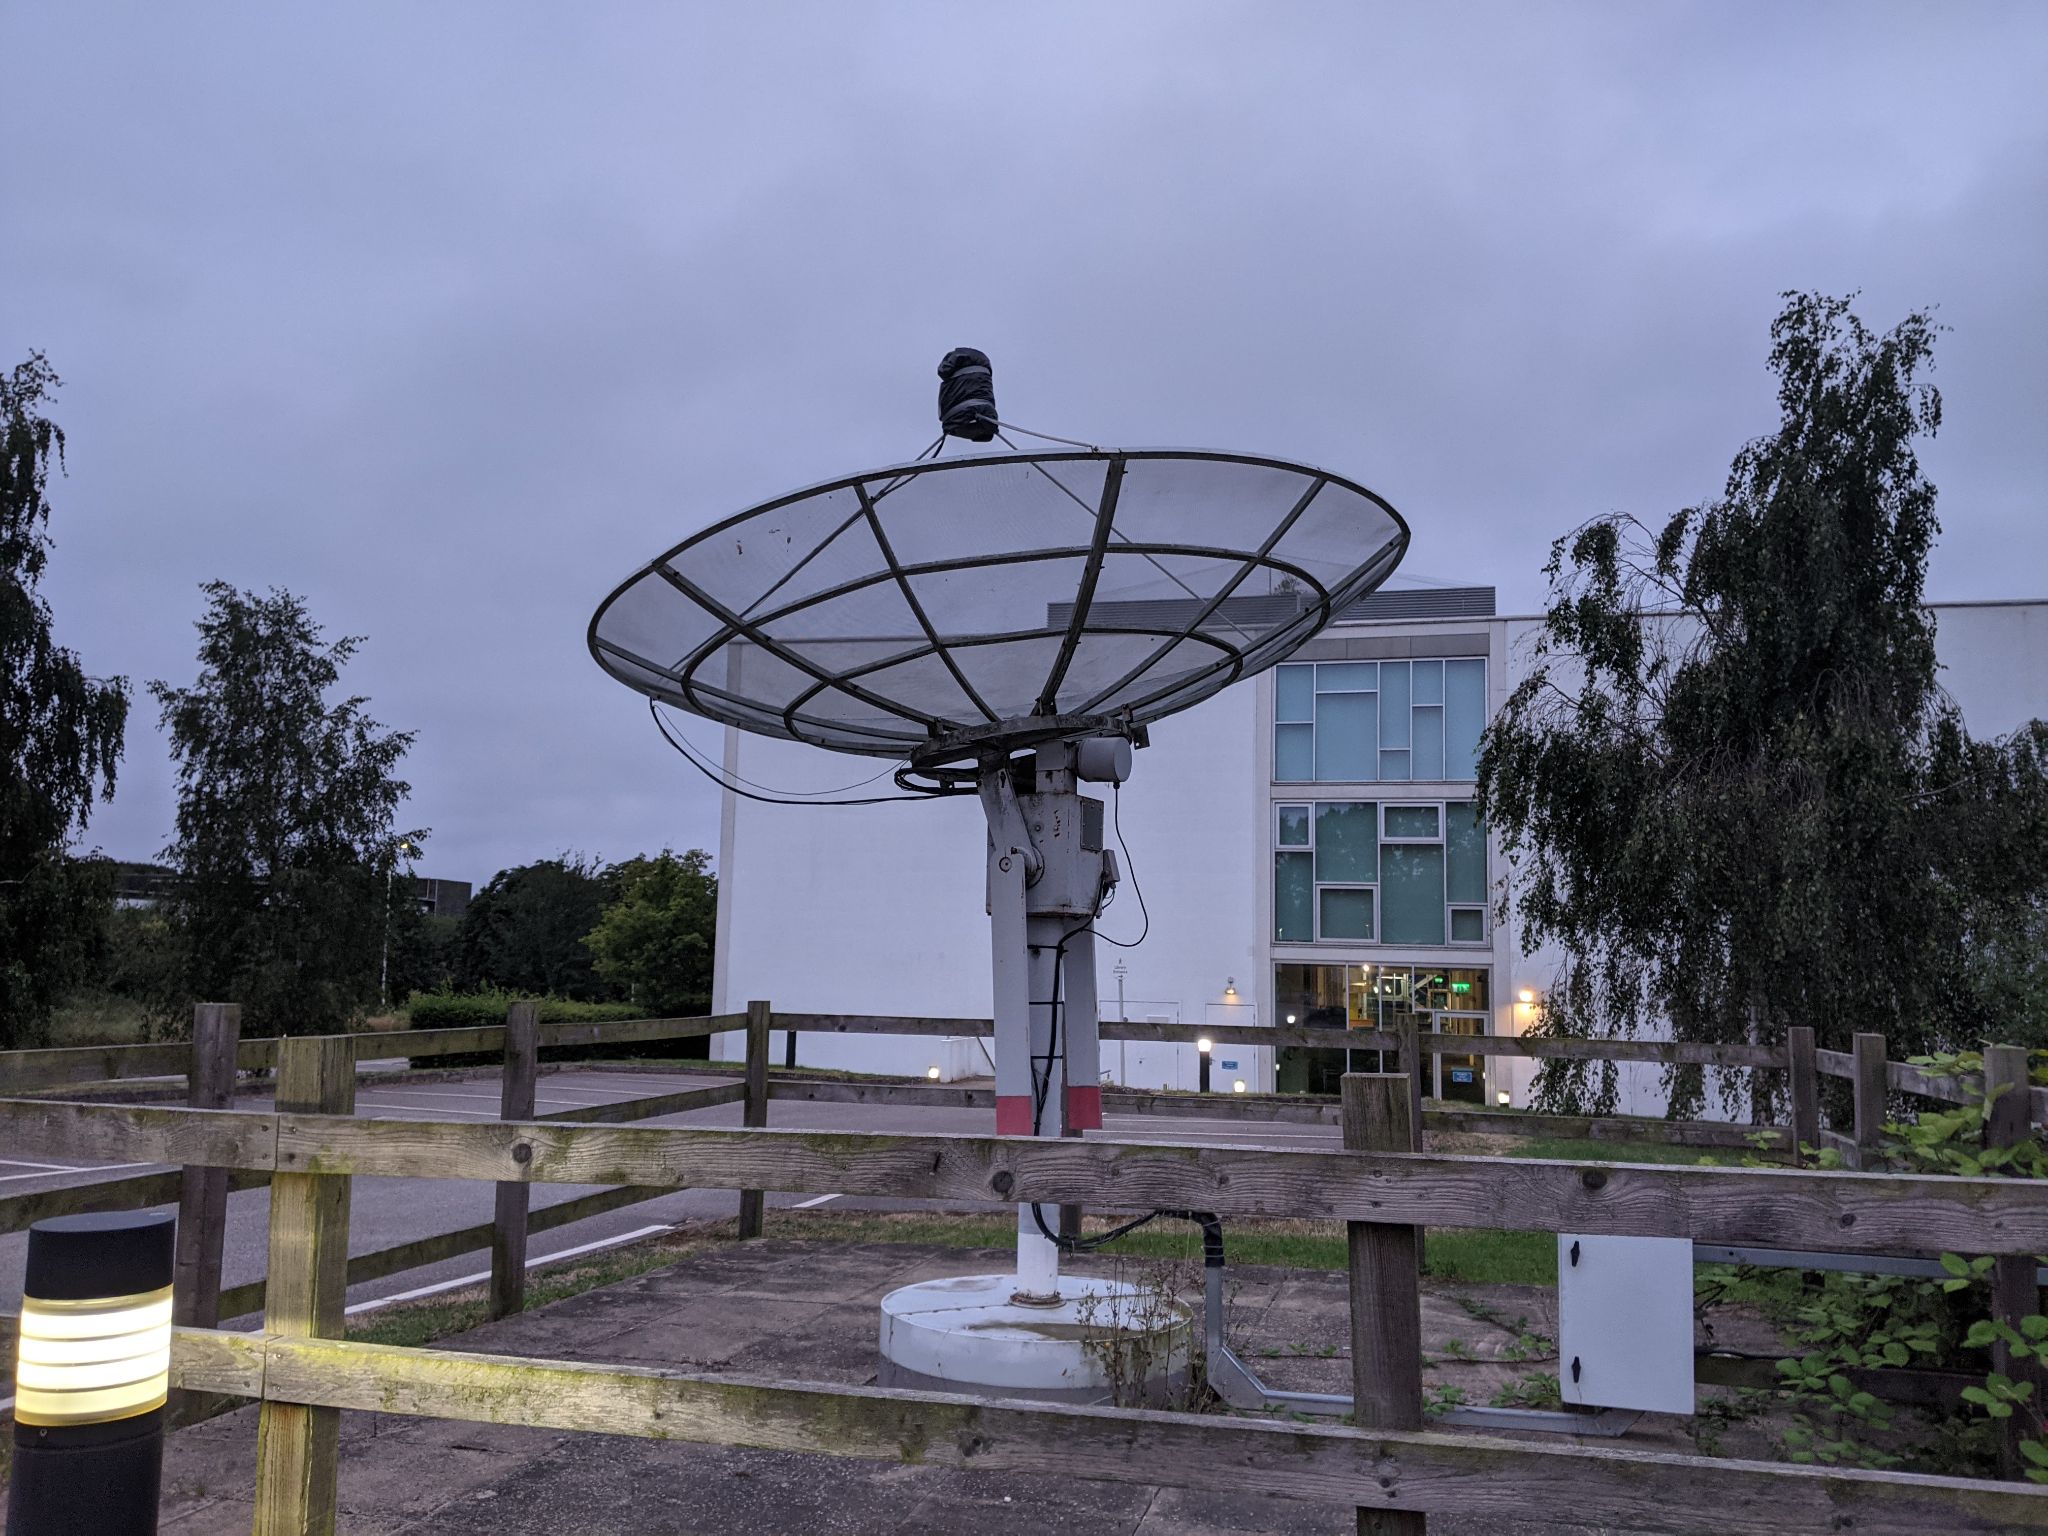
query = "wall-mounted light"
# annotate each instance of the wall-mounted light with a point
(92, 1373)
(1527, 995)
(1237, 1086)
(1205, 1045)
(1503, 1098)
(932, 1072)
(1230, 986)
(1290, 1018)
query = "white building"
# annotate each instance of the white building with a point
(1303, 844)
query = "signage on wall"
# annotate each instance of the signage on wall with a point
(1461, 1074)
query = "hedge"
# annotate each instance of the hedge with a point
(471, 1010)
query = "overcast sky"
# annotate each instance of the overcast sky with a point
(446, 317)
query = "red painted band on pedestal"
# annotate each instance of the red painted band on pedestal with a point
(1084, 1109)
(1013, 1114)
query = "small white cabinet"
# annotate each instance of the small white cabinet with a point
(1624, 1322)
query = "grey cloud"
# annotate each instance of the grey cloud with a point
(447, 317)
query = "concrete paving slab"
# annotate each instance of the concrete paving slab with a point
(807, 1312)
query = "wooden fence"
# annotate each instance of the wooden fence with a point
(210, 1061)
(303, 1373)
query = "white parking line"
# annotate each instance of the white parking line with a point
(426, 1109)
(16, 1162)
(53, 1168)
(461, 1280)
(805, 1205)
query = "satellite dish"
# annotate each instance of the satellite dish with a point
(943, 610)
(952, 613)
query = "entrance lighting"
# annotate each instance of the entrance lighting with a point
(1205, 1045)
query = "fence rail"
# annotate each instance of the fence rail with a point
(311, 1145)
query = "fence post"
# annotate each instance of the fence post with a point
(755, 1108)
(508, 1219)
(1386, 1299)
(203, 1198)
(1416, 1066)
(1873, 1085)
(1804, 1089)
(2015, 1292)
(298, 1449)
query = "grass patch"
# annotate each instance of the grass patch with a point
(1630, 1152)
(1468, 1255)
(99, 1018)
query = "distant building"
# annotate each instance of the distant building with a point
(440, 898)
(146, 885)
(1306, 847)
(141, 885)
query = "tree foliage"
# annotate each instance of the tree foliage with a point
(61, 736)
(524, 931)
(286, 846)
(1731, 790)
(654, 942)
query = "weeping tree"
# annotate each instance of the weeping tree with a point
(1732, 794)
(60, 737)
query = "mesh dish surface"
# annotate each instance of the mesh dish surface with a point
(932, 610)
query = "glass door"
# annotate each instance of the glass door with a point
(1460, 1076)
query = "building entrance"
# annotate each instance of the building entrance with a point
(1453, 1000)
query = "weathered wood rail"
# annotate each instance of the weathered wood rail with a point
(303, 1374)
(210, 1061)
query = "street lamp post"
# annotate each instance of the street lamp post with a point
(384, 948)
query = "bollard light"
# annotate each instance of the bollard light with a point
(92, 1375)
(1238, 1086)
(1205, 1045)
(1503, 1098)
(932, 1072)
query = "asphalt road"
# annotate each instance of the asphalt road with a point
(385, 1212)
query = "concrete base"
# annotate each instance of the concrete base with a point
(1106, 1341)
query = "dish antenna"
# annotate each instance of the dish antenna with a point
(1005, 624)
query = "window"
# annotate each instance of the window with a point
(1293, 878)
(1390, 722)
(1363, 871)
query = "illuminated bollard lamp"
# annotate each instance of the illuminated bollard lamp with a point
(92, 1376)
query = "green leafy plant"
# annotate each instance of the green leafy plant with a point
(1532, 1389)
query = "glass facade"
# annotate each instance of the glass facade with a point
(1365, 872)
(1451, 1000)
(1378, 721)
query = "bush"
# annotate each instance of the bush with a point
(475, 1010)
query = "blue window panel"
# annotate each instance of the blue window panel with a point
(1466, 840)
(1293, 899)
(1464, 717)
(1347, 676)
(1394, 767)
(1346, 914)
(1293, 826)
(1347, 842)
(1468, 925)
(1347, 735)
(1294, 753)
(1428, 748)
(1411, 821)
(1294, 693)
(1393, 705)
(1429, 682)
(1412, 885)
